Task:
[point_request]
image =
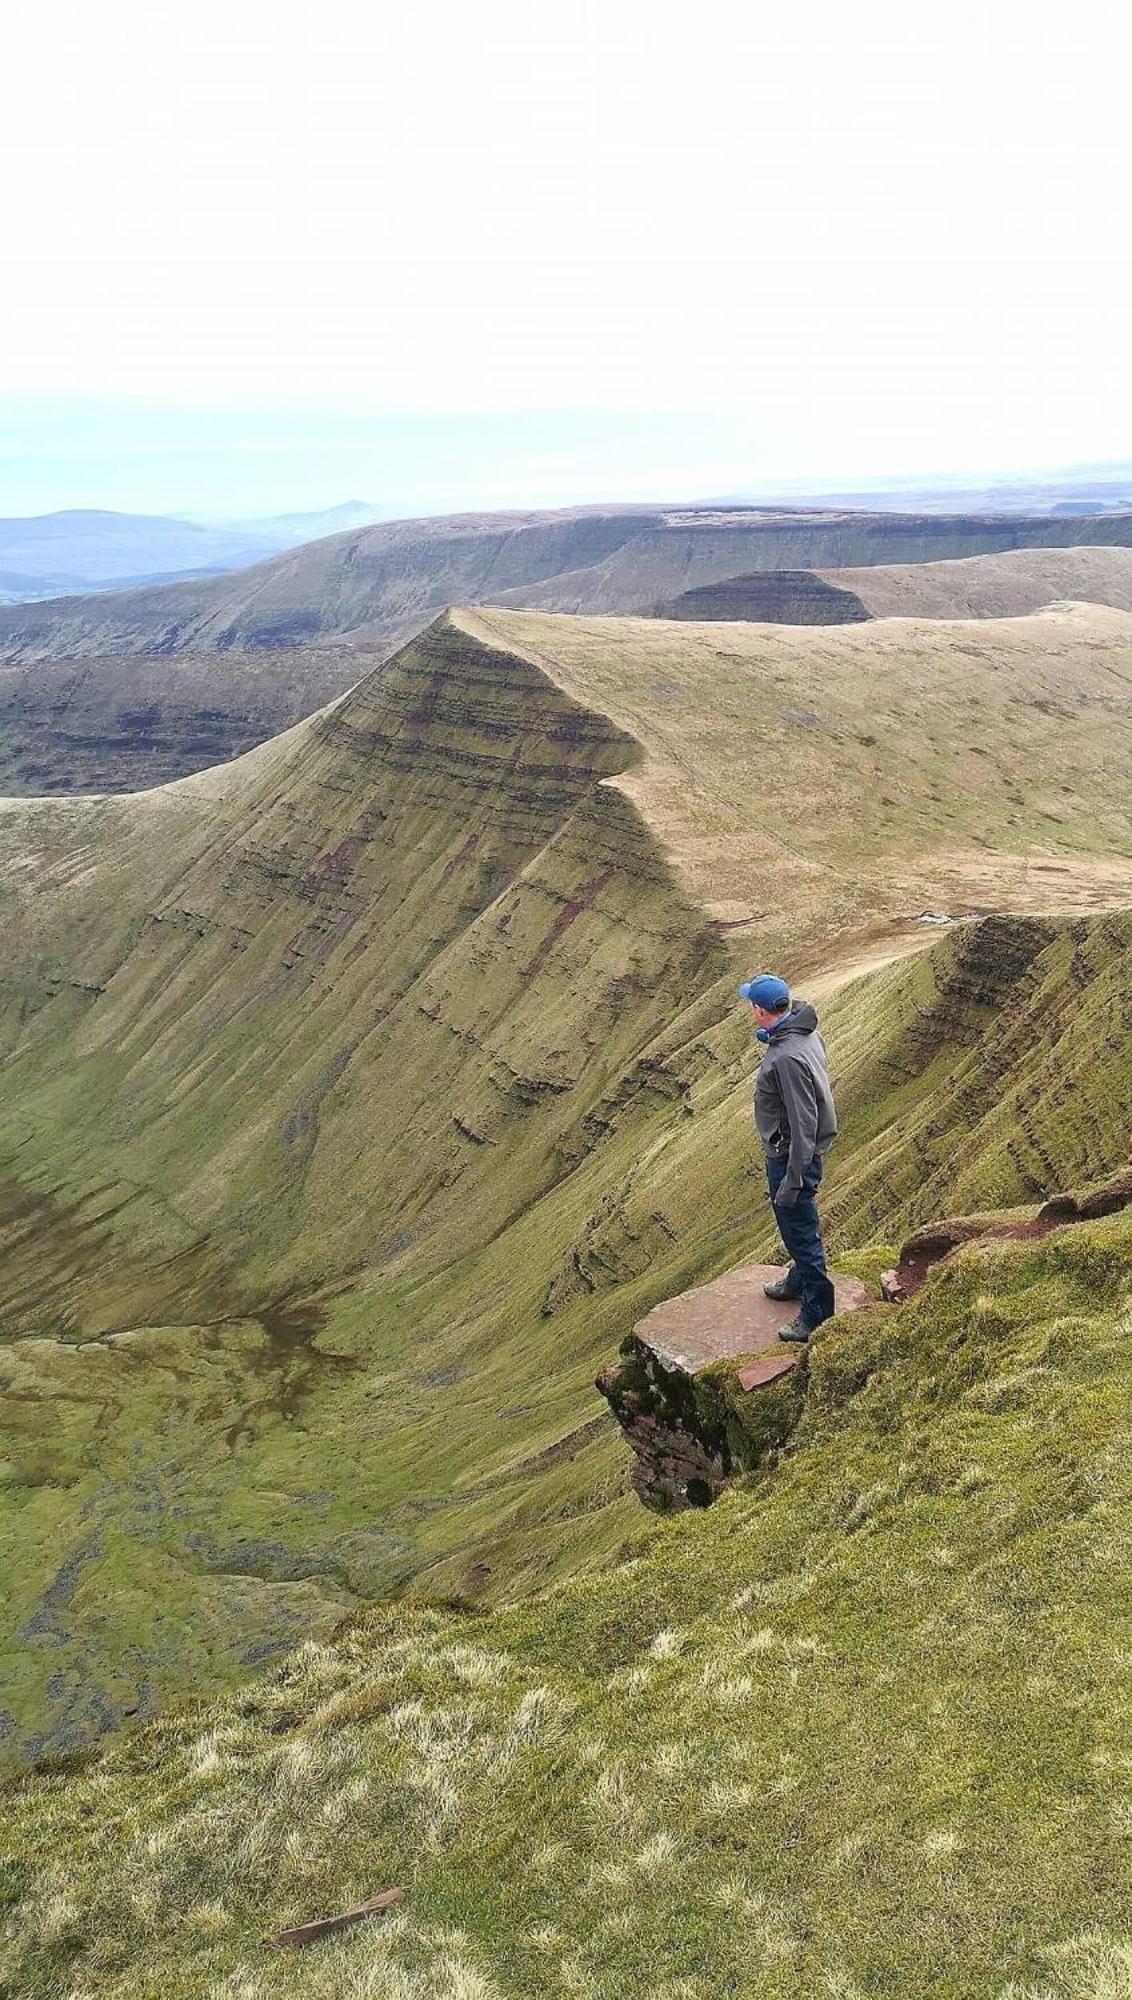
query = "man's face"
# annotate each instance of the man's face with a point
(762, 1018)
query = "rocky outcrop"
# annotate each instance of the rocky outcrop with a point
(933, 1245)
(704, 1387)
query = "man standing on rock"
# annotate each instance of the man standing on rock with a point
(797, 1123)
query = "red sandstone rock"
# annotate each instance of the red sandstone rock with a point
(727, 1318)
(756, 1373)
(685, 1447)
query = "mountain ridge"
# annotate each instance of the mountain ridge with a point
(1010, 584)
(346, 1084)
(384, 581)
(112, 714)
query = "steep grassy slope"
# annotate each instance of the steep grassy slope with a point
(357, 1098)
(266, 1043)
(989, 586)
(129, 722)
(861, 1729)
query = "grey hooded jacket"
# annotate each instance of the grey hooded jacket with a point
(794, 1109)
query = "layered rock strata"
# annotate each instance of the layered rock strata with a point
(776, 597)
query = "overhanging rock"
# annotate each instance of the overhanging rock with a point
(704, 1387)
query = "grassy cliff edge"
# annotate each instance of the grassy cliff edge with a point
(859, 1730)
(357, 1100)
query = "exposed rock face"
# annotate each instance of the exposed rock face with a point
(705, 1388)
(776, 597)
(936, 1242)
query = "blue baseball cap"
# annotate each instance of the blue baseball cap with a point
(765, 991)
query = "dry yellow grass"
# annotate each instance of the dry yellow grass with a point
(839, 779)
(1005, 585)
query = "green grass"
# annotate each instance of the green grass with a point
(860, 1729)
(282, 1337)
(356, 1102)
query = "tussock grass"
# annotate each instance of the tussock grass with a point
(862, 1728)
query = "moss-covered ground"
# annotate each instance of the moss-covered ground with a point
(862, 1729)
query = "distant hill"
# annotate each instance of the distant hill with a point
(117, 692)
(991, 586)
(311, 525)
(79, 549)
(687, 550)
(73, 550)
(1104, 487)
(387, 581)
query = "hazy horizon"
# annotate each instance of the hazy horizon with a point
(217, 465)
(469, 258)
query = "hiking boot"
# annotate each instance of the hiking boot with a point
(780, 1290)
(796, 1329)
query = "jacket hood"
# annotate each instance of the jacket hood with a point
(801, 1020)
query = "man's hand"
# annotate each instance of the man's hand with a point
(786, 1197)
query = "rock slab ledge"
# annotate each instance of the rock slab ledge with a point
(704, 1388)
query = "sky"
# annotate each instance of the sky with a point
(259, 256)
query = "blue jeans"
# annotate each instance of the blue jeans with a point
(800, 1231)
